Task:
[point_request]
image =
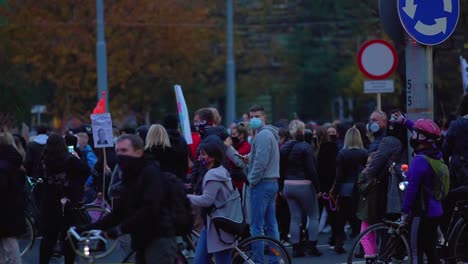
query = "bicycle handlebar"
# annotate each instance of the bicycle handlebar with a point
(33, 181)
(87, 235)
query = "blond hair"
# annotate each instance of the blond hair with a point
(296, 127)
(83, 136)
(7, 139)
(157, 136)
(353, 139)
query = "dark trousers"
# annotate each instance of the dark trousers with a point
(424, 239)
(161, 250)
(54, 225)
(283, 216)
(345, 212)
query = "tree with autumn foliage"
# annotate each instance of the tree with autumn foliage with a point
(151, 45)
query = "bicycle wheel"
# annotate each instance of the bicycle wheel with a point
(94, 214)
(260, 249)
(26, 240)
(391, 246)
(180, 259)
(459, 243)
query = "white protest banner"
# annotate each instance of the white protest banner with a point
(464, 72)
(102, 130)
(183, 114)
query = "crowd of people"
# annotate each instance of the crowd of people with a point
(295, 179)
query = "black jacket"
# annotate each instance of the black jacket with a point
(213, 134)
(181, 152)
(33, 160)
(12, 195)
(349, 163)
(297, 162)
(164, 156)
(456, 147)
(76, 172)
(143, 211)
(326, 165)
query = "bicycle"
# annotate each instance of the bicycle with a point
(89, 241)
(242, 253)
(453, 249)
(393, 245)
(88, 213)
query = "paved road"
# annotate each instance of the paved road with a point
(328, 257)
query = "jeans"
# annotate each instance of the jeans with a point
(9, 251)
(203, 257)
(263, 216)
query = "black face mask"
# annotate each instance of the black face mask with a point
(129, 163)
(333, 138)
(315, 140)
(414, 143)
(235, 140)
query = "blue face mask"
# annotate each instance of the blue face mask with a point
(373, 127)
(255, 123)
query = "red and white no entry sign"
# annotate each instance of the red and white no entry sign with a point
(377, 59)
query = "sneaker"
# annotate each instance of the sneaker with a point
(340, 250)
(285, 243)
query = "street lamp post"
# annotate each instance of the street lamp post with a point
(101, 53)
(230, 66)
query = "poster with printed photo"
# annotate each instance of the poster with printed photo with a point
(102, 130)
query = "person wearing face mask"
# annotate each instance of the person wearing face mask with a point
(239, 135)
(206, 122)
(419, 200)
(390, 149)
(326, 169)
(143, 211)
(216, 188)
(263, 175)
(377, 127)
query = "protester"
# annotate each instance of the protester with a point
(158, 148)
(13, 199)
(34, 153)
(143, 213)
(64, 177)
(216, 189)
(349, 163)
(206, 124)
(88, 156)
(326, 169)
(301, 185)
(377, 128)
(263, 177)
(419, 201)
(178, 145)
(239, 135)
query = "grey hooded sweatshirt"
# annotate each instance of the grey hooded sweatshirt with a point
(264, 156)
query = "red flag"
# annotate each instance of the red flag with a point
(101, 105)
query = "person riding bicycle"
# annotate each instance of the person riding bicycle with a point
(143, 210)
(419, 200)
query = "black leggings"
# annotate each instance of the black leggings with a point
(424, 238)
(345, 213)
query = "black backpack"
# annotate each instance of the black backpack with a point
(180, 209)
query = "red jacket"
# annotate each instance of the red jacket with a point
(196, 139)
(243, 148)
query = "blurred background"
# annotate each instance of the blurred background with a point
(296, 57)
